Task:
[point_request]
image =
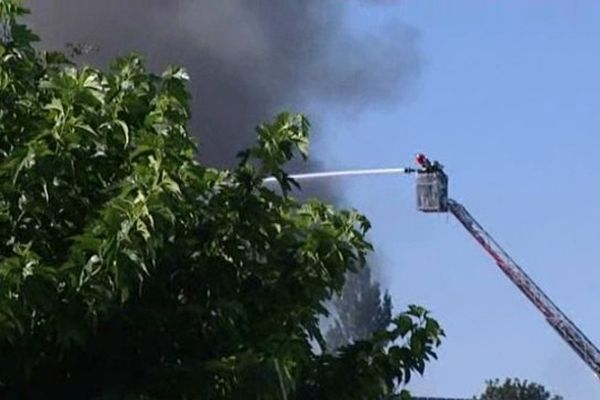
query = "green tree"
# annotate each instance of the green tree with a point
(515, 389)
(130, 271)
(358, 311)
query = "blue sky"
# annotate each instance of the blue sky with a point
(508, 99)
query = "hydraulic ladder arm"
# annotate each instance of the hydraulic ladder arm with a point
(432, 197)
(570, 333)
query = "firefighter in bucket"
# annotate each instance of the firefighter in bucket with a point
(432, 185)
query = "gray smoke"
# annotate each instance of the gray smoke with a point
(248, 59)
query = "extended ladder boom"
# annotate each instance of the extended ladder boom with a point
(555, 317)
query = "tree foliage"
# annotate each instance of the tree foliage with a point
(515, 389)
(129, 270)
(359, 310)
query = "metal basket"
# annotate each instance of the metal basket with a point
(432, 191)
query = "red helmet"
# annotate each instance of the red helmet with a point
(422, 160)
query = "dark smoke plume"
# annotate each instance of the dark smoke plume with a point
(248, 59)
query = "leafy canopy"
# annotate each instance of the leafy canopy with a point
(515, 389)
(129, 270)
(359, 310)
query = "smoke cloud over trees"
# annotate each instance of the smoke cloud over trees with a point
(247, 58)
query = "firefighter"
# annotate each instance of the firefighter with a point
(427, 165)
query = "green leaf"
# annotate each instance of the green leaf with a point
(125, 130)
(404, 324)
